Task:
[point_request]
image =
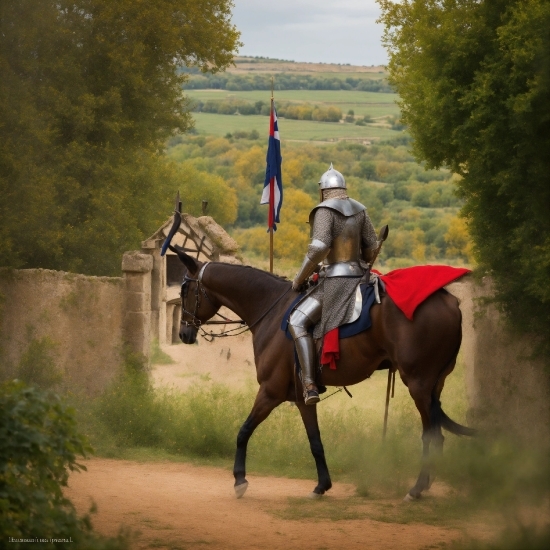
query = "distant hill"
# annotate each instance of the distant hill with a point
(268, 65)
(255, 73)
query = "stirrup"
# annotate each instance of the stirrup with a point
(311, 397)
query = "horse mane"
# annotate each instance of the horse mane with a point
(280, 278)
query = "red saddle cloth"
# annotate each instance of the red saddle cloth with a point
(408, 288)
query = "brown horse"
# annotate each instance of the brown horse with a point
(424, 352)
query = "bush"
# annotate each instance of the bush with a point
(39, 444)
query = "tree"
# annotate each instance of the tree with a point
(90, 92)
(474, 82)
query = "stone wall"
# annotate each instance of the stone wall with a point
(78, 317)
(508, 389)
(82, 324)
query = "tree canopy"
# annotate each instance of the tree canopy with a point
(474, 82)
(90, 92)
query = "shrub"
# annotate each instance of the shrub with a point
(39, 444)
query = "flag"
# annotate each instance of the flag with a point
(273, 184)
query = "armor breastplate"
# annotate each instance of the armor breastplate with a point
(345, 251)
(347, 207)
(347, 245)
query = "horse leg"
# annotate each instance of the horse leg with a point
(309, 417)
(431, 432)
(263, 405)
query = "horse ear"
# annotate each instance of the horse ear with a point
(189, 262)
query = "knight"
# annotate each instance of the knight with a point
(344, 240)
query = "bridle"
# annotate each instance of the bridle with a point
(197, 324)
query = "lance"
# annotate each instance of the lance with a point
(382, 236)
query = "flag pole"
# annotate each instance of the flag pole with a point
(271, 203)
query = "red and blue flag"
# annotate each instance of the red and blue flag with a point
(273, 184)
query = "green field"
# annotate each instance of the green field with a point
(220, 125)
(377, 105)
(329, 97)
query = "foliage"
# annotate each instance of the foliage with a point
(303, 111)
(420, 206)
(39, 445)
(285, 81)
(524, 538)
(37, 365)
(257, 102)
(474, 83)
(158, 356)
(199, 423)
(196, 184)
(90, 92)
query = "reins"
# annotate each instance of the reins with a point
(198, 324)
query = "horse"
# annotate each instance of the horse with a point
(423, 351)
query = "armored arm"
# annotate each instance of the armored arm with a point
(317, 251)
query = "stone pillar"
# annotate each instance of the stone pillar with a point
(463, 290)
(169, 323)
(176, 317)
(158, 284)
(137, 269)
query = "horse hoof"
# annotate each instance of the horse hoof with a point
(240, 490)
(409, 498)
(314, 496)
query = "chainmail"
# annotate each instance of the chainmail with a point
(328, 224)
(337, 294)
(337, 297)
(334, 194)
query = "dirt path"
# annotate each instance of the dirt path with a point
(229, 361)
(180, 506)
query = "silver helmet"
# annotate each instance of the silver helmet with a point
(332, 179)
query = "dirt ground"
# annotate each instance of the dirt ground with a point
(180, 506)
(232, 358)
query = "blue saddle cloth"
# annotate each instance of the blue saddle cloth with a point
(350, 329)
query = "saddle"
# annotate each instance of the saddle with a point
(328, 347)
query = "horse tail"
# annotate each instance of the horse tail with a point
(438, 416)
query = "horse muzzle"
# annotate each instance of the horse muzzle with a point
(188, 334)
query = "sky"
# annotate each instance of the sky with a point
(327, 31)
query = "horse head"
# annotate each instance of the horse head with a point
(197, 306)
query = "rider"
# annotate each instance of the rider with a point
(342, 236)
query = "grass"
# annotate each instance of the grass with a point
(485, 480)
(377, 105)
(159, 357)
(220, 125)
(297, 509)
(326, 97)
(450, 512)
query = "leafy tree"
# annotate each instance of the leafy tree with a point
(90, 93)
(474, 82)
(196, 186)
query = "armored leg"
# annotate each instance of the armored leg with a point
(306, 315)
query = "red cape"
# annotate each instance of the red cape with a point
(408, 288)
